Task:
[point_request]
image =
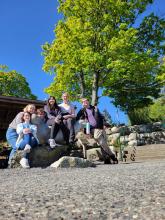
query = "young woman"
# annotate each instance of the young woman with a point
(27, 138)
(68, 112)
(55, 120)
(11, 134)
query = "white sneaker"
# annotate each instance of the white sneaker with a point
(52, 143)
(27, 148)
(24, 163)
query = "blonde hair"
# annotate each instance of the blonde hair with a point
(84, 99)
(26, 109)
(65, 93)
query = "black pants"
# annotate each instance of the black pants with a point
(56, 127)
(69, 123)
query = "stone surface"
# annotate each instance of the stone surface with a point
(70, 162)
(41, 156)
(94, 154)
(108, 192)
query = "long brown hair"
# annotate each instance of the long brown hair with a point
(55, 106)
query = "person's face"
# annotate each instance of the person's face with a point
(85, 103)
(65, 97)
(31, 109)
(52, 101)
(26, 117)
(41, 115)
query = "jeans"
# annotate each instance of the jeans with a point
(11, 137)
(27, 139)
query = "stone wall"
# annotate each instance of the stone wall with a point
(137, 135)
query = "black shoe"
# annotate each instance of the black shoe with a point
(107, 161)
(72, 143)
(114, 159)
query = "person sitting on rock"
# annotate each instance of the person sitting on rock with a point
(27, 138)
(11, 134)
(68, 113)
(55, 120)
(91, 115)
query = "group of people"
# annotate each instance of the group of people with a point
(22, 134)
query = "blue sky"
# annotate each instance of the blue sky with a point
(25, 25)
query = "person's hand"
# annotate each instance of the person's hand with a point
(66, 116)
(26, 131)
(58, 119)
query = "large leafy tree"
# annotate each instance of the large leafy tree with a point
(13, 83)
(99, 45)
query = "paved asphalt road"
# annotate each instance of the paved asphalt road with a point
(123, 191)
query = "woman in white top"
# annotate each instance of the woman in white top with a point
(27, 138)
(68, 113)
(11, 134)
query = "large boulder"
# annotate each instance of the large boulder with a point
(66, 162)
(41, 156)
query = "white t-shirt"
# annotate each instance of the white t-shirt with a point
(67, 109)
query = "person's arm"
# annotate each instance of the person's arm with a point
(18, 118)
(65, 113)
(19, 128)
(33, 128)
(79, 114)
(47, 110)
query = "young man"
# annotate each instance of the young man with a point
(90, 114)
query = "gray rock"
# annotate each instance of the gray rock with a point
(70, 162)
(94, 154)
(115, 130)
(133, 136)
(41, 156)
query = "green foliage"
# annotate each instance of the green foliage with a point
(139, 116)
(13, 83)
(97, 45)
(157, 110)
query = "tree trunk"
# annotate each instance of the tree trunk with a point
(95, 88)
(82, 84)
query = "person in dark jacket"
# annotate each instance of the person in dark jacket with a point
(55, 120)
(91, 114)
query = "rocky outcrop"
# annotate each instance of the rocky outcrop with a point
(41, 156)
(70, 162)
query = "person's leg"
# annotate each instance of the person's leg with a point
(33, 142)
(65, 132)
(11, 137)
(70, 126)
(25, 145)
(26, 140)
(101, 138)
(53, 132)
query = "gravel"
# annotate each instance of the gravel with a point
(123, 191)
